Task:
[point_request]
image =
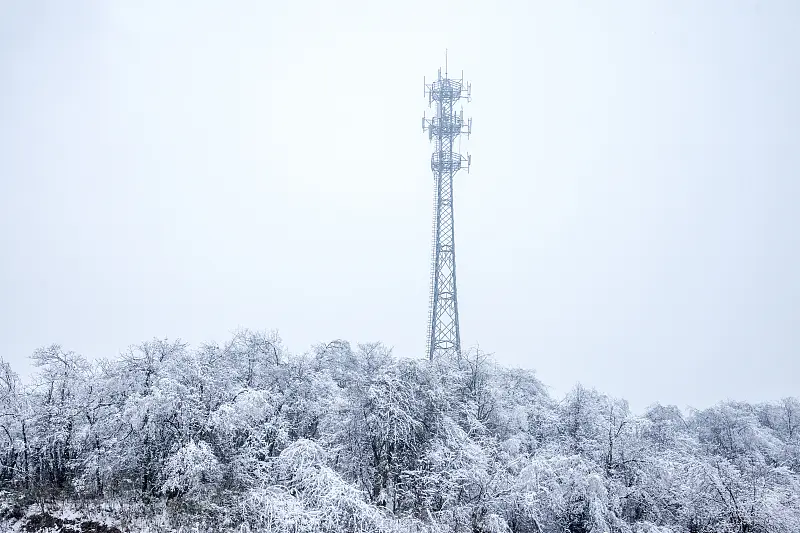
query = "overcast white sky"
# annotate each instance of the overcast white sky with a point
(185, 168)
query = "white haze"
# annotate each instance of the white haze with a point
(630, 221)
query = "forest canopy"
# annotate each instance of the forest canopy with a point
(352, 438)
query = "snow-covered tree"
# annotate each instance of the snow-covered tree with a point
(343, 438)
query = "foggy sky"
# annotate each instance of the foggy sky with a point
(177, 169)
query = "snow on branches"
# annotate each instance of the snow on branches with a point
(343, 438)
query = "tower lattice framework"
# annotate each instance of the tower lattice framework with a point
(444, 129)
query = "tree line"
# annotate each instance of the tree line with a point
(344, 438)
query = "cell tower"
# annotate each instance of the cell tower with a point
(443, 129)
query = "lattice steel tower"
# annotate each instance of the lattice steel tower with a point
(444, 129)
